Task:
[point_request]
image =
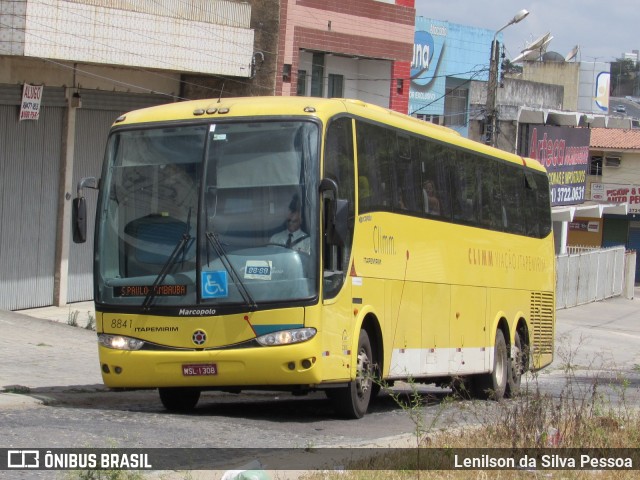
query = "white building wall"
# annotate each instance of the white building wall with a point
(373, 81)
(169, 38)
(593, 88)
(366, 80)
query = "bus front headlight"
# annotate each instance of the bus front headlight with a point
(119, 342)
(287, 337)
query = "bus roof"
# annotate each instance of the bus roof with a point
(322, 108)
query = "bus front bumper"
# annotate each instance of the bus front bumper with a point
(296, 364)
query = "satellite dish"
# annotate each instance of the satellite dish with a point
(536, 44)
(572, 54)
(527, 56)
(531, 54)
(545, 44)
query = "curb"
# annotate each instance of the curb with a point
(17, 400)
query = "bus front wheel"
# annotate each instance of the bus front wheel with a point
(352, 401)
(179, 399)
(493, 385)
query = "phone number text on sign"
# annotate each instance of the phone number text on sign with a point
(567, 194)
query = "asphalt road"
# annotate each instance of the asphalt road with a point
(51, 394)
(632, 108)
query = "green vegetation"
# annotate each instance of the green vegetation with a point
(582, 416)
(73, 317)
(18, 389)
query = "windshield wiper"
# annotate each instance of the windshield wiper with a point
(217, 246)
(183, 244)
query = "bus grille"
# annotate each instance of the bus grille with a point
(542, 314)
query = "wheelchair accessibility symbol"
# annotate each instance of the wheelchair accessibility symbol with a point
(214, 284)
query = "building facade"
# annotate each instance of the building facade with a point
(359, 49)
(447, 59)
(68, 68)
(614, 179)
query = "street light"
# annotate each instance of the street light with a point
(492, 87)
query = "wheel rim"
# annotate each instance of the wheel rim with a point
(516, 363)
(363, 377)
(501, 366)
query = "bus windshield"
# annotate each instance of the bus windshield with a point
(219, 214)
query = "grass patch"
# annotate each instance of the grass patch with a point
(74, 316)
(18, 389)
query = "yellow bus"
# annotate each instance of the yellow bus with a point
(304, 244)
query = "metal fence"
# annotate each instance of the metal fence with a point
(587, 275)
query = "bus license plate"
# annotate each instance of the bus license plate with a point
(199, 369)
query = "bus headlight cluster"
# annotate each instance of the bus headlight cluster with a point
(287, 337)
(119, 342)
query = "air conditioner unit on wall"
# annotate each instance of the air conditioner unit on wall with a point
(612, 162)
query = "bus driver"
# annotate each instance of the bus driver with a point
(293, 236)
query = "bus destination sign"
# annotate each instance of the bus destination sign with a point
(143, 290)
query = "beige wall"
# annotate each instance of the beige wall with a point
(19, 70)
(564, 74)
(627, 173)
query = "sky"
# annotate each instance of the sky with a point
(603, 30)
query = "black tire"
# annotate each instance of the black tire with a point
(493, 385)
(516, 368)
(179, 399)
(352, 401)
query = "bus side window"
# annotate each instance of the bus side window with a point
(530, 201)
(464, 183)
(434, 163)
(404, 176)
(339, 166)
(490, 197)
(542, 205)
(512, 185)
(442, 168)
(375, 162)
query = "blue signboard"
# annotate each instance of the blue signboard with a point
(446, 56)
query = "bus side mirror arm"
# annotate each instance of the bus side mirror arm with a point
(79, 210)
(336, 213)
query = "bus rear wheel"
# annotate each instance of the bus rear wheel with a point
(352, 401)
(516, 368)
(493, 385)
(179, 399)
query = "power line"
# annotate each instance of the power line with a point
(53, 32)
(174, 67)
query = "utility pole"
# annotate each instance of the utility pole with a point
(492, 85)
(492, 93)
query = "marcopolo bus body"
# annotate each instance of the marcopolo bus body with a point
(414, 253)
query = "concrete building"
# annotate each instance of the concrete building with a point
(68, 68)
(448, 60)
(614, 179)
(358, 49)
